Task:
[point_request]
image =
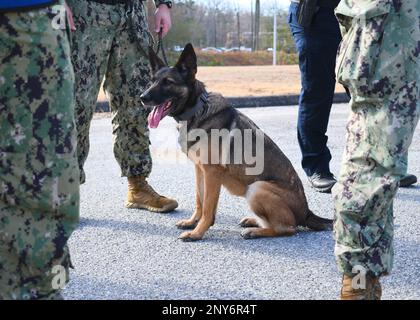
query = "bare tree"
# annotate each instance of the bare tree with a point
(252, 26)
(224, 23)
(214, 8)
(257, 25)
(239, 28)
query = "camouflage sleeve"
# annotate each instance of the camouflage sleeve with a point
(167, 2)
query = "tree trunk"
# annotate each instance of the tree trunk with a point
(252, 26)
(257, 25)
(239, 30)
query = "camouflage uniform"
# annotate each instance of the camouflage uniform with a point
(378, 61)
(39, 177)
(105, 43)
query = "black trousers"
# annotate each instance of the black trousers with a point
(317, 48)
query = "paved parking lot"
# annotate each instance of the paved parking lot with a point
(131, 254)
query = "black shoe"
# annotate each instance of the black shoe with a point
(408, 180)
(322, 182)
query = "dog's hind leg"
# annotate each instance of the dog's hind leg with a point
(253, 233)
(276, 218)
(249, 222)
(191, 223)
(212, 186)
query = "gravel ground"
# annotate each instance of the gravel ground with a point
(131, 254)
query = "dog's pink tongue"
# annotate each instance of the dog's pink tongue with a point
(155, 116)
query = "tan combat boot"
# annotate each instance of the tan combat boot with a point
(142, 196)
(373, 290)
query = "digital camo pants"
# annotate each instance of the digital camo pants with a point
(39, 176)
(378, 61)
(104, 45)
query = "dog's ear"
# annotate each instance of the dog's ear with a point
(187, 63)
(155, 62)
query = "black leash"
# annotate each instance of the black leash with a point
(160, 47)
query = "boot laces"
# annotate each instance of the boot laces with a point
(147, 187)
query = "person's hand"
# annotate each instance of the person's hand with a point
(163, 19)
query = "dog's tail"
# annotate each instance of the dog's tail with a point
(316, 223)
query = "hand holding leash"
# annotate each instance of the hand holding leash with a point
(163, 21)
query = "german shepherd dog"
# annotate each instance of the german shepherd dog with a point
(275, 195)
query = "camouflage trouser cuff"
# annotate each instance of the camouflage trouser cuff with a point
(352, 264)
(142, 166)
(135, 172)
(369, 273)
(137, 175)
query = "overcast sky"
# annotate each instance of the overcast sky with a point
(246, 4)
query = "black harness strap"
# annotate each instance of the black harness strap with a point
(188, 114)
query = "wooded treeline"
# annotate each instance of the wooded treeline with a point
(218, 23)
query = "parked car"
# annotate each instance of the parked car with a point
(246, 49)
(177, 49)
(212, 50)
(234, 49)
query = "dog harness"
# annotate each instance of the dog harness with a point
(198, 107)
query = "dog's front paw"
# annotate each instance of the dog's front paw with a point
(186, 224)
(190, 236)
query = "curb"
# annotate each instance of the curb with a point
(253, 102)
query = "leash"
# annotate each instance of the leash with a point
(160, 46)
